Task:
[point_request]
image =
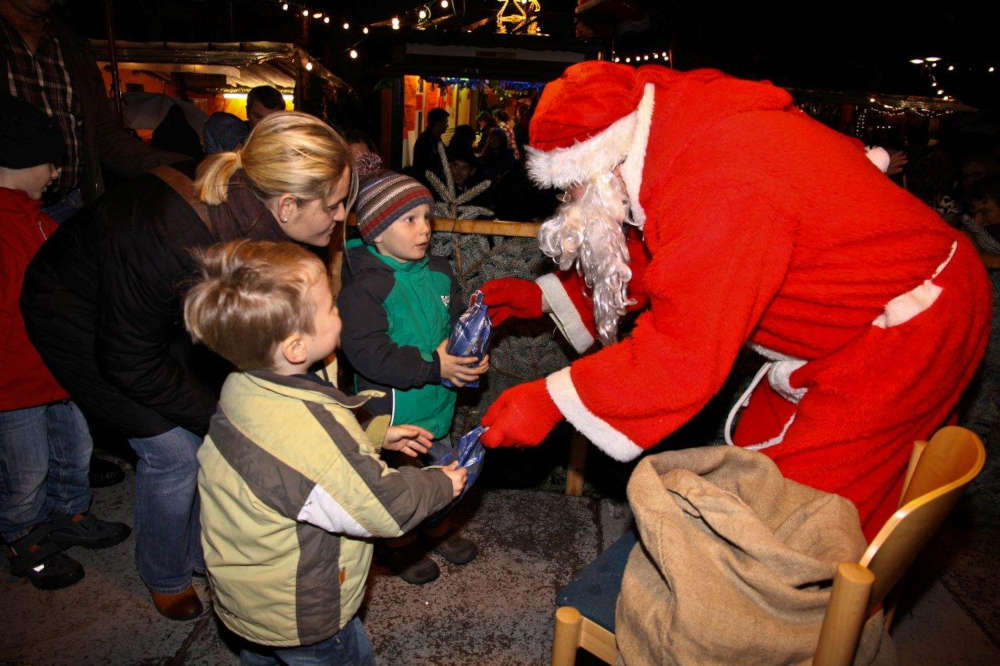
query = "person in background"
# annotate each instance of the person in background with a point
(45, 445)
(292, 487)
(399, 306)
(484, 123)
(425, 149)
(503, 122)
(102, 304)
(262, 101)
(224, 132)
(45, 63)
(464, 136)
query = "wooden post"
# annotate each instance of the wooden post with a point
(116, 84)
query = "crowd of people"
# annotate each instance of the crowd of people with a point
(185, 309)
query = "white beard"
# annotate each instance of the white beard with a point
(587, 233)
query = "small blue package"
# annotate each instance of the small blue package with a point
(470, 454)
(471, 333)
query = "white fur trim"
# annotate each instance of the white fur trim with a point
(564, 313)
(635, 161)
(879, 156)
(906, 306)
(562, 167)
(778, 377)
(616, 444)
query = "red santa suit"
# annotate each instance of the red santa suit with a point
(762, 226)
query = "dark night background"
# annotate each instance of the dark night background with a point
(847, 47)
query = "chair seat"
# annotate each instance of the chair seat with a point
(594, 591)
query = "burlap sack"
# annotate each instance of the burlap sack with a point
(734, 562)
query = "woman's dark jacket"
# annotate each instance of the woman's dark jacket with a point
(102, 301)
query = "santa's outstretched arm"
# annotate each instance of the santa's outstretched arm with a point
(709, 283)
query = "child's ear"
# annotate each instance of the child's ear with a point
(295, 349)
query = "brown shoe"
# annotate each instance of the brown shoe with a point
(180, 606)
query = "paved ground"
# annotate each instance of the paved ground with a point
(495, 610)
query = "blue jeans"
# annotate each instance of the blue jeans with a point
(350, 645)
(44, 461)
(167, 526)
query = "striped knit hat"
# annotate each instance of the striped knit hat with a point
(383, 198)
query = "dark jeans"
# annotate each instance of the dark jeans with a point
(349, 646)
(44, 461)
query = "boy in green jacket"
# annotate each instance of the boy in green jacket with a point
(399, 305)
(291, 484)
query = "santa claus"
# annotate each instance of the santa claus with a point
(733, 218)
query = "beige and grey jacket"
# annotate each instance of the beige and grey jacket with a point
(292, 489)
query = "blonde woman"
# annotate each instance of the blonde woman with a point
(102, 303)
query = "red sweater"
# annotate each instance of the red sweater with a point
(25, 381)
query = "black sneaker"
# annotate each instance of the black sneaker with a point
(454, 548)
(40, 560)
(104, 473)
(411, 564)
(83, 529)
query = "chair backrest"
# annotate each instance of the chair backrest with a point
(942, 468)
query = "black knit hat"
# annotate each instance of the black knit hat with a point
(28, 137)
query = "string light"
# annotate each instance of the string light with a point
(353, 53)
(309, 66)
(444, 4)
(284, 7)
(317, 15)
(364, 30)
(422, 14)
(326, 19)
(395, 23)
(346, 26)
(305, 12)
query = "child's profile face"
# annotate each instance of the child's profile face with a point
(325, 337)
(33, 180)
(408, 238)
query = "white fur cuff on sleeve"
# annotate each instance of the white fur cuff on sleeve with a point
(605, 437)
(564, 313)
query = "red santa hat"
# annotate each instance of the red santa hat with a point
(594, 117)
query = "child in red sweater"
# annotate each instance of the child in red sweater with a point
(44, 442)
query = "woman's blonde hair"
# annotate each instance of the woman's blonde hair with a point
(286, 153)
(249, 296)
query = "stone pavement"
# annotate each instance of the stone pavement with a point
(494, 610)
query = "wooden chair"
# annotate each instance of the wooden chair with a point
(935, 477)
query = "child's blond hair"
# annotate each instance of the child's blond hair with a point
(249, 296)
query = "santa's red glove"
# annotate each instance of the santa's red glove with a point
(522, 416)
(512, 297)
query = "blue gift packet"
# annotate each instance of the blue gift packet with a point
(470, 454)
(471, 333)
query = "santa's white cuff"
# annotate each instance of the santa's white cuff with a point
(564, 313)
(604, 436)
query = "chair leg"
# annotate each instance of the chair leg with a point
(567, 636)
(576, 464)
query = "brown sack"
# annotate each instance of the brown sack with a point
(734, 563)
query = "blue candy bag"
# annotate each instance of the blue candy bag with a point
(470, 454)
(471, 334)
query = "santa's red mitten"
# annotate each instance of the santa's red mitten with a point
(512, 297)
(522, 416)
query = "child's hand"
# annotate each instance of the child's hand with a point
(460, 370)
(458, 476)
(409, 439)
